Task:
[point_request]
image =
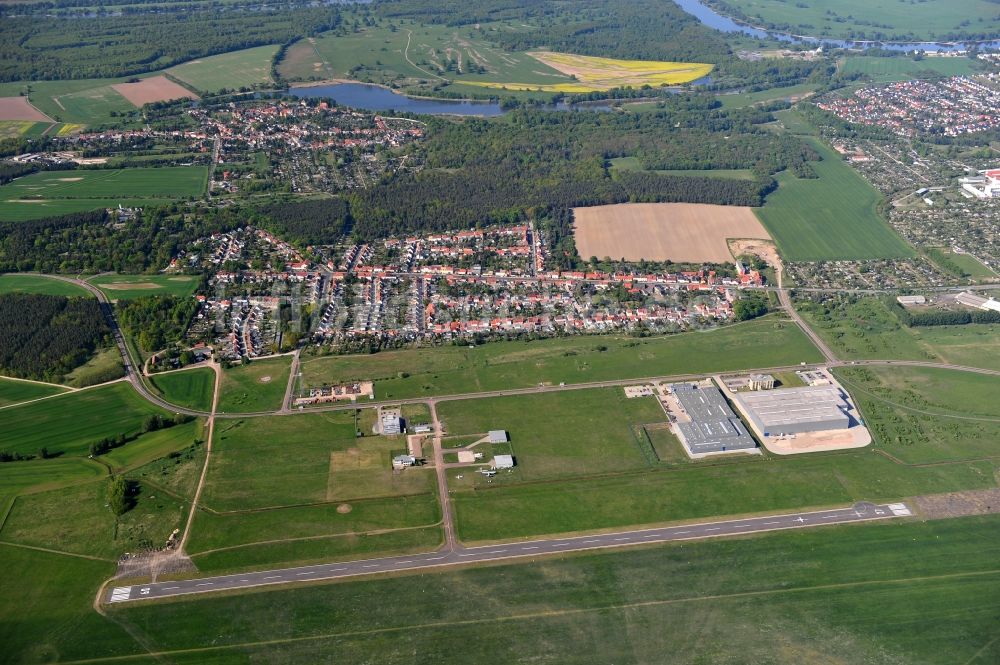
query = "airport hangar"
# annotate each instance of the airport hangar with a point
(796, 410)
(714, 428)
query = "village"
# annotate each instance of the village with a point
(306, 146)
(265, 295)
(952, 106)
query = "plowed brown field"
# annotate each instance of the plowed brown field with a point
(681, 232)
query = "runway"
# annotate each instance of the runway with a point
(860, 512)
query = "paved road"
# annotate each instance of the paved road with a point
(860, 512)
(786, 303)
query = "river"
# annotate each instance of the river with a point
(713, 19)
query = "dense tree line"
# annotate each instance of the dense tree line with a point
(944, 317)
(46, 337)
(36, 47)
(89, 241)
(312, 222)
(155, 321)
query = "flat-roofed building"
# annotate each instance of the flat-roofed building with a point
(712, 426)
(761, 382)
(797, 410)
(497, 436)
(503, 461)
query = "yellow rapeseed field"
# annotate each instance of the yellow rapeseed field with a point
(592, 73)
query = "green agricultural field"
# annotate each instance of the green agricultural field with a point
(13, 129)
(84, 101)
(28, 283)
(60, 192)
(13, 391)
(125, 287)
(70, 423)
(744, 485)
(563, 434)
(633, 164)
(166, 182)
(884, 70)
(769, 342)
(829, 218)
(788, 93)
(257, 386)
(23, 210)
(913, 592)
(865, 328)
(925, 415)
(239, 69)
(873, 19)
(191, 388)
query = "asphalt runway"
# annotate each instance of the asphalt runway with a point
(860, 512)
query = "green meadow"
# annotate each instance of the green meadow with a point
(918, 592)
(927, 415)
(866, 328)
(885, 70)
(257, 386)
(191, 388)
(125, 287)
(768, 342)
(885, 19)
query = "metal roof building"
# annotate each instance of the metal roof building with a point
(714, 428)
(797, 410)
(503, 462)
(498, 436)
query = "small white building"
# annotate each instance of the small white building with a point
(503, 461)
(498, 436)
(909, 301)
(423, 428)
(403, 461)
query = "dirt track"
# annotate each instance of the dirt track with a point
(682, 232)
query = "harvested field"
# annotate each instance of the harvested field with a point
(19, 108)
(681, 232)
(153, 89)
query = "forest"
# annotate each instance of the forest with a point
(46, 337)
(86, 242)
(156, 321)
(36, 47)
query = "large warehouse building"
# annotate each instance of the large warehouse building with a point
(713, 427)
(797, 410)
